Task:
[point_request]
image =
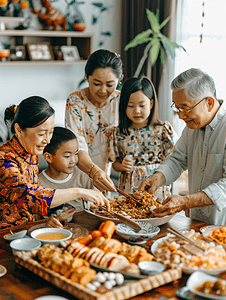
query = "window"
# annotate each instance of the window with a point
(208, 55)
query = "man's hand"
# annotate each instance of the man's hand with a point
(171, 205)
(152, 183)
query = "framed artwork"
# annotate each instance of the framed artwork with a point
(17, 53)
(70, 53)
(39, 52)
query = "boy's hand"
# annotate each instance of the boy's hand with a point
(126, 164)
(96, 197)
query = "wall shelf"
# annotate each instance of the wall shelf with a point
(83, 41)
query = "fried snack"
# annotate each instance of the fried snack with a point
(76, 269)
(218, 236)
(130, 207)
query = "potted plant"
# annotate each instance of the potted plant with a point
(157, 43)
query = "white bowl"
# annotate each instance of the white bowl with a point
(147, 232)
(37, 232)
(198, 278)
(17, 235)
(24, 244)
(148, 267)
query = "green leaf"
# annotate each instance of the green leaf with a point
(154, 51)
(153, 21)
(97, 4)
(141, 38)
(157, 15)
(173, 44)
(162, 57)
(167, 46)
(164, 23)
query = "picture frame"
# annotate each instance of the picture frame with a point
(17, 53)
(70, 53)
(40, 52)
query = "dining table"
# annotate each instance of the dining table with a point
(21, 284)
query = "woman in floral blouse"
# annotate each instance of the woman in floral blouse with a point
(21, 197)
(141, 141)
(91, 112)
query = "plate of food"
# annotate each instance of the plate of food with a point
(215, 234)
(175, 251)
(135, 210)
(207, 286)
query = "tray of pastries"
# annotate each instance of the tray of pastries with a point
(72, 266)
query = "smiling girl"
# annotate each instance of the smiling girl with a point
(140, 135)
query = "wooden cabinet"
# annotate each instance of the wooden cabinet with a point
(81, 40)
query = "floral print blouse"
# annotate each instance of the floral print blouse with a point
(21, 197)
(148, 146)
(91, 124)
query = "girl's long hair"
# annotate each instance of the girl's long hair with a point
(133, 85)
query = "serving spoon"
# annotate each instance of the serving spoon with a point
(123, 219)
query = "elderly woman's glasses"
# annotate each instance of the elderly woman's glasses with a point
(177, 110)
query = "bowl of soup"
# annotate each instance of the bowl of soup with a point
(51, 235)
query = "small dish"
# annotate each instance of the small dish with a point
(51, 235)
(3, 270)
(207, 231)
(148, 267)
(24, 244)
(198, 278)
(147, 232)
(17, 235)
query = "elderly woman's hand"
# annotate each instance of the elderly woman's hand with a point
(102, 181)
(171, 205)
(152, 183)
(53, 222)
(96, 197)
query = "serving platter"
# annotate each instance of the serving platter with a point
(186, 270)
(198, 278)
(130, 288)
(207, 231)
(153, 221)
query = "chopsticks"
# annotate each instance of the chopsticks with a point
(129, 197)
(180, 235)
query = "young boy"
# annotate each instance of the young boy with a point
(61, 155)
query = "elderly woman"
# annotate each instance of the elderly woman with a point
(200, 149)
(21, 197)
(91, 112)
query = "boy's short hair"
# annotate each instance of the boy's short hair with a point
(60, 135)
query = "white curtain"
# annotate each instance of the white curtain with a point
(164, 92)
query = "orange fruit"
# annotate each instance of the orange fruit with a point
(3, 2)
(15, 0)
(24, 4)
(79, 26)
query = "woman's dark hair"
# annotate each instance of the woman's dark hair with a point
(31, 112)
(60, 135)
(133, 85)
(104, 59)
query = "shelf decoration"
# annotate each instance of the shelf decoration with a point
(74, 17)
(52, 17)
(70, 53)
(40, 52)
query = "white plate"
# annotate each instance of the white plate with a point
(54, 297)
(198, 278)
(207, 231)
(186, 270)
(154, 221)
(3, 270)
(17, 235)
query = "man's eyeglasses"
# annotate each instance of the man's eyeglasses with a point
(177, 110)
